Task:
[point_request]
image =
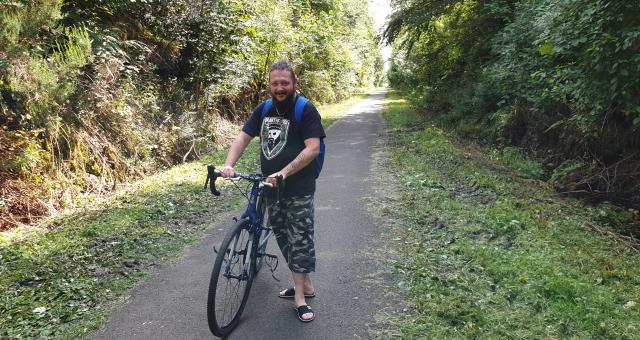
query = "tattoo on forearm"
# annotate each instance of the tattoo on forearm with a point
(296, 164)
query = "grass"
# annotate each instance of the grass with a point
(490, 251)
(57, 281)
(332, 112)
(60, 280)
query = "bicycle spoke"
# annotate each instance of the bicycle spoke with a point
(232, 286)
(237, 262)
(233, 280)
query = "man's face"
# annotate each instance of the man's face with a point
(281, 84)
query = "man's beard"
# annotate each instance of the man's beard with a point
(286, 104)
(287, 99)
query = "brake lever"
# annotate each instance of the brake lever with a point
(212, 175)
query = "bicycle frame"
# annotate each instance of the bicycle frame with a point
(242, 254)
(256, 227)
(251, 211)
(257, 224)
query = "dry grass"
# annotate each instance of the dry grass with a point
(20, 204)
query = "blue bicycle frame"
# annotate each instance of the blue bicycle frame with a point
(258, 224)
(242, 254)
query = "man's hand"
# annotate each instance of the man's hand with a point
(272, 179)
(228, 171)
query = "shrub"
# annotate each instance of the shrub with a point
(558, 78)
(94, 93)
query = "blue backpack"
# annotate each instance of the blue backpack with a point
(299, 110)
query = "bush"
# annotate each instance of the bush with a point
(558, 78)
(94, 93)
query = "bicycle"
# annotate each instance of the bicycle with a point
(241, 254)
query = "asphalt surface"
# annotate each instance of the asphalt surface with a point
(350, 279)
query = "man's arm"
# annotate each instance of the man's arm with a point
(237, 148)
(306, 156)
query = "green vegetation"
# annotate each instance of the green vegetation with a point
(95, 93)
(490, 251)
(332, 112)
(557, 79)
(60, 281)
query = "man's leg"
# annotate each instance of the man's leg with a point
(302, 251)
(302, 282)
(299, 245)
(292, 223)
(307, 285)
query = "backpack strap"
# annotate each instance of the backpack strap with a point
(299, 110)
(301, 102)
(266, 107)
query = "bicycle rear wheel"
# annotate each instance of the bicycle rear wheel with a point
(231, 280)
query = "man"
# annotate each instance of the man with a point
(288, 149)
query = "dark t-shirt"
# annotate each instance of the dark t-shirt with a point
(282, 140)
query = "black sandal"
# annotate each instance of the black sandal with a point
(304, 309)
(291, 293)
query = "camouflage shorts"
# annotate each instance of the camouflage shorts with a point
(292, 223)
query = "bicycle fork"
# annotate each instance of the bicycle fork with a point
(246, 253)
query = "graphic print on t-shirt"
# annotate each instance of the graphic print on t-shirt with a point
(273, 136)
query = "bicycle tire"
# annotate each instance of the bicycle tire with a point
(229, 273)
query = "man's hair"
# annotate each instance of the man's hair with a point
(283, 65)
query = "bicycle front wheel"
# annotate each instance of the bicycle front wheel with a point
(231, 280)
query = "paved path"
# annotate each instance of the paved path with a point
(172, 303)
